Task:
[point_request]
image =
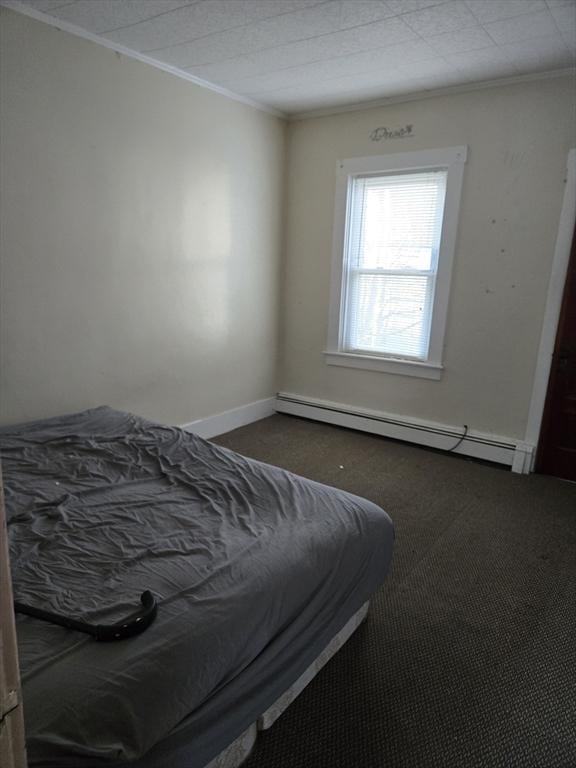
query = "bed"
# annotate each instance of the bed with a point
(257, 573)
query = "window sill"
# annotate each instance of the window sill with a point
(385, 365)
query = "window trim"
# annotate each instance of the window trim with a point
(451, 159)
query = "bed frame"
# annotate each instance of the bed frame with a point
(234, 755)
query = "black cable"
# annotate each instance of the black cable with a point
(449, 450)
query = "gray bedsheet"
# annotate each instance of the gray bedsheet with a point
(254, 570)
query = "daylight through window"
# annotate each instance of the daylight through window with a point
(392, 258)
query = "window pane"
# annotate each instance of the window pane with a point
(395, 226)
(389, 314)
(396, 220)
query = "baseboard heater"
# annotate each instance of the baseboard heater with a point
(444, 437)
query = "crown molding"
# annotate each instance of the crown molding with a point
(442, 91)
(65, 26)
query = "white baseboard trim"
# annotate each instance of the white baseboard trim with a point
(220, 423)
(480, 445)
(524, 458)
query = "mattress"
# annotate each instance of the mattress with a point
(254, 570)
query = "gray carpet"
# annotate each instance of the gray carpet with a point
(468, 657)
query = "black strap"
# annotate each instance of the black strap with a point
(132, 625)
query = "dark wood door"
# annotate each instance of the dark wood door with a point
(557, 446)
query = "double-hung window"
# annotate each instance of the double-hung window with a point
(394, 240)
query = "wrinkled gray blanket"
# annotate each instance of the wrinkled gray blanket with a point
(254, 569)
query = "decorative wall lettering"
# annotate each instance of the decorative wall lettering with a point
(378, 134)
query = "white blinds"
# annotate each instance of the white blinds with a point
(391, 259)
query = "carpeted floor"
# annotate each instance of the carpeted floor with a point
(468, 656)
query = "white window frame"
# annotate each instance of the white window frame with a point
(451, 159)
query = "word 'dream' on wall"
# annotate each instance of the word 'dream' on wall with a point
(378, 134)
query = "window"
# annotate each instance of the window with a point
(394, 239)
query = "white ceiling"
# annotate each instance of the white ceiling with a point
(302, 55)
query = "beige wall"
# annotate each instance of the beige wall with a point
(140, 235)
(141, 220)
(518, 138)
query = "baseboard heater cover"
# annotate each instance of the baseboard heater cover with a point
(476, 444)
